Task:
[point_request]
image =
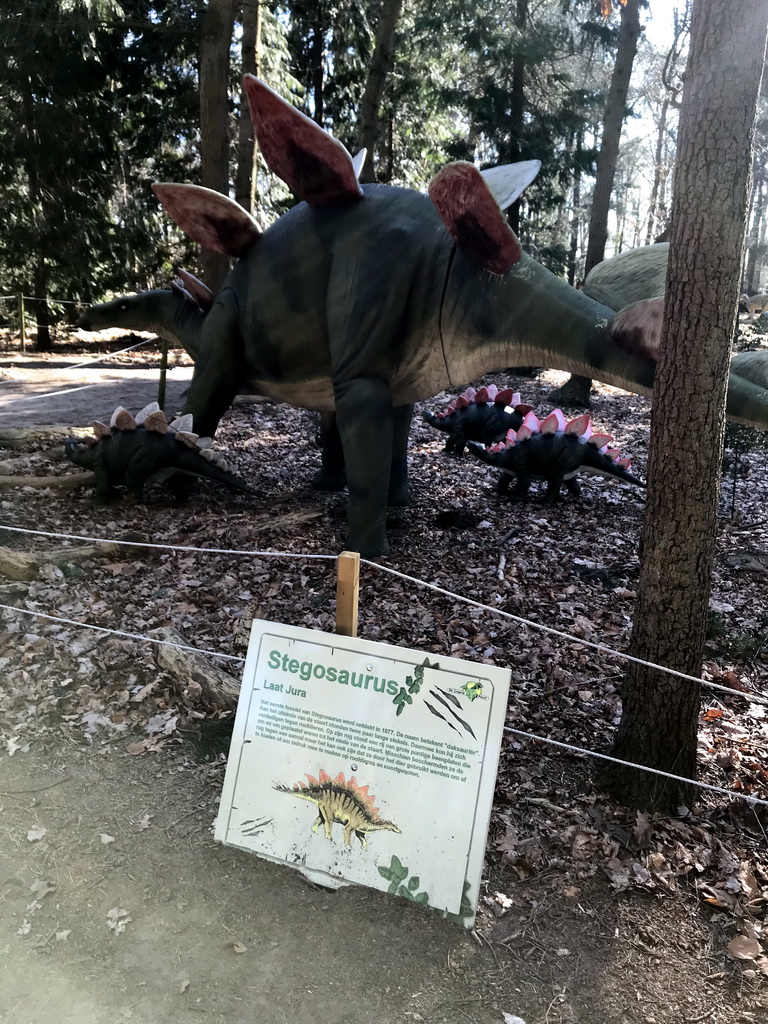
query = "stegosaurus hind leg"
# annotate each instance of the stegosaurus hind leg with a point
(349, 828)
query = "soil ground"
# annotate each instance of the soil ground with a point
(117, 905)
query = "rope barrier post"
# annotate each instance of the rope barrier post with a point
(347, 592)
(22, 324)
(163, 373)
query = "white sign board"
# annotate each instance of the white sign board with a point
(363, 762)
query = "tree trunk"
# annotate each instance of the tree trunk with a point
(517, 104)
(215, 38)
(658, 724)
(576, 389)
(247, 152)
(657, 170)
(40, 305)
(381, 62)
(316, 58)
(576, 209)
(756, 232)
(615, 112)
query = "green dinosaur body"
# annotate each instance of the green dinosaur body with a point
(166, 312)
(364, 300)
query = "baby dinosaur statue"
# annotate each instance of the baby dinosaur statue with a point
(554, 450)
(135, 450)
(362, 300)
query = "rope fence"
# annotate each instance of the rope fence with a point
(75, 366)
(602, 648)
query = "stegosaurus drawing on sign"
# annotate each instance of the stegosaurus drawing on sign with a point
(342, 801)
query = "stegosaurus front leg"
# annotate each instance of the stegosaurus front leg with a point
(325, 819)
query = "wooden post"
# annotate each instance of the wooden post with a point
(22, 323)
(163, 373)
(347, 592)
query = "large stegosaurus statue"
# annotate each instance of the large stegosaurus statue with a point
(364, 299)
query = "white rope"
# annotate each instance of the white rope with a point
(76, 366)
(754, 801)
(169, 547)
(119, 632)
(46, 394)
(516, 732)
(567, 636)
(108, 355)
(752, 697)
(640, 767)
(54, 302)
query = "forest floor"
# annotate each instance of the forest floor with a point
(116, 903)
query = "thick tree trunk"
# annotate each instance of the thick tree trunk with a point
(658, 724)
(215, 38)
(657, 172)
(247, 152)
(381, 63)
(576, 389)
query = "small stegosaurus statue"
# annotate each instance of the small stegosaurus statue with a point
(342, 801)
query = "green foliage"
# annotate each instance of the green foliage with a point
(400, 885)
(412, 686)
(95, 112)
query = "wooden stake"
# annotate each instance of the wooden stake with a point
(22, 322)
(347, 592)
(163, 373)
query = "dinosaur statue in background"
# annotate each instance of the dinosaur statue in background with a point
(633, 275)
(554, 450)
(362, 300)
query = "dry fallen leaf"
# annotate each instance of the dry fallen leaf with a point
(744, 947)
(117, 920)
(41, 888)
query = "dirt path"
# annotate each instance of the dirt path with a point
(210, 933)
(33, 395)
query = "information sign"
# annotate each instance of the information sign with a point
(362, 762)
